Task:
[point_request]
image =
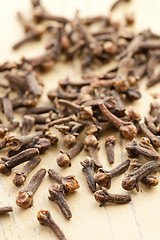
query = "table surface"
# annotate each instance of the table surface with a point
(138, 220)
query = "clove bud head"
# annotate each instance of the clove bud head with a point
(24, 199)
(19, 179)
(128, 131)
(69, 140)
(128, 183)
(86, 113)
(103, 179)
(63, 160)
(91, 141)
(70, 184)
(44, 217)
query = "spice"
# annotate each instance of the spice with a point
(110, 143)
(127, 129)
(91, 145)
(4, 210)
(88, 169)
(25, 196)
(24, 156)
(56, 194)
(131, 180)
(103, 177)
(103, 197)
(69, 183)
(64, 158)
(20, 176)
(45, 219)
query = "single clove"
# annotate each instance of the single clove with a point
(103, 177)
(127, 129)
(131, 180)
(45, 219)
(69, 183)
(20, 176)
(64, 158)
(153, 138)
(149, 180)
(110, 143)
(25, 196)
(103, 197)
(88, 169)
(91, 145)
(57, 195)
(8, 163)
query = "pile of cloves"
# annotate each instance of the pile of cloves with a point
(92, 105)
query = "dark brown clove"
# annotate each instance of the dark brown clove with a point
(45, 219)
(127, 129)
(7, 106)
(24, 156)
(57, 195)
(27, 124)
(103, 197)
(91, 145)
(103, 177)
(25, 196)
(144, 148)
(131, 180)
(110, 143)
(149, 180)
(4, 210)
(88, 169)
(153, 138)
(20, 176)
(64, 158)
(63, 120)
(69, 183)
(16, 142)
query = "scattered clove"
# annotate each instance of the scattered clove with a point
(110, 143)
(64, 158)
(25, 196)
(69, 183)
(103, 197)
(88, 169)
(45, 219)
(103, 177)
(4, 210)
(57, 195)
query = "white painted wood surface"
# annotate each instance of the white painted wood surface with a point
(138, 220)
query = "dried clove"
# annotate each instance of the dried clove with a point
(20, 176)
(57, 195)
(88, 169)
(127, 129)
(110, 143)
(8, 163)
(149, 180)
(25, 196)
(69, 183)
(4, 210)
(103, 197)
(144, 148)
(91, 145)
(64, 158)
(153, 138)
(131, 180)
(103, 177)
(45, 219)
(27, 124)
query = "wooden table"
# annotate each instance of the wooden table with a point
(138, 220)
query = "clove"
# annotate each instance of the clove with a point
(103, 177)
(110, 143)
(25, 196)
(56, 195)
(69, 183)
(88, 169)
(103, 197)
